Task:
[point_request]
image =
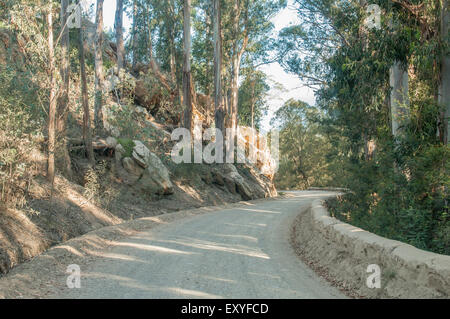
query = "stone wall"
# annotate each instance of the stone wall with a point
(345, 252)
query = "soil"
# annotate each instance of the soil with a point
(72, 210)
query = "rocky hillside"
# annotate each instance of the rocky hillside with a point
(134, 175)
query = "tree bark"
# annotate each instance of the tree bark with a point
(232, 112)
(399, 97)
(63, 101)
(149, 44)
(119, 35)
(187, 97)
(236, 64)
(135, 33)
(171, 36)
(252, 101)
(219, 116)
(87, 134)
(98, 108)
(444, 85)
(368, 143)
(64, 69)
(52, 100)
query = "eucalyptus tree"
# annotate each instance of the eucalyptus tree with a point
(367, 81)
(253, 92)
(87, 132)
(219, 111)
(118, 26)
(187, 81)
(444, 87)
(63, 101)
(52, 97)
(99, 77)
(167, 36)
(247, 26)
(303, 146)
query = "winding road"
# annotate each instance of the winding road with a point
(231, 253)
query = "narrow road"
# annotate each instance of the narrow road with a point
(232, 253)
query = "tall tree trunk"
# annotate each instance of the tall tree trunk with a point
(119, 35)
(149, 30)
(219, 116)
(135, 33)
(172, 60)
(63, 101)
(444, 87)
(52, 100)
(64, 69)
(87, 134)
(171, 38)
(368, 143)
(234, 67)
(150, 44)
(236, 63)
(252, 101)
(187, 97)
(399, 97)
(98, 108)
(234, 91)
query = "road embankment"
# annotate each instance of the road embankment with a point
(346, 255)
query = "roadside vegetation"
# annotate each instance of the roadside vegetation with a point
(87, 111)
(380, 126)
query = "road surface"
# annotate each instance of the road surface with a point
(231, 253)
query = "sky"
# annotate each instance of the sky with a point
(293, 85)
(294, 88)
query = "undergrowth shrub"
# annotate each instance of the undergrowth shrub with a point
(406, 202)
(19, 131)
(97, 185)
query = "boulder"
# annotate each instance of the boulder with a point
(141, 153)
(111, 82)
(140, 110)
(155, 178)
(122, 172)
(120, 151)
(229, 184)
(144, 170)
(259, 183)
(132, 167)
(207, 177)
(158, 174)
(217, 178)
(234, 182)
(111, 142)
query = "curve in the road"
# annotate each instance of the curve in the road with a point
(232, 253)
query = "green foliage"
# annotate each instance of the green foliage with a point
(119, 117)
(399, 185)
(97, 182)
(252, 97)
(302, 147)
(20, 119)
(128, 145)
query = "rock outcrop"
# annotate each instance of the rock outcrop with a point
(248, 186)
(143, 170)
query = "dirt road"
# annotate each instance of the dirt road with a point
(232, 253)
